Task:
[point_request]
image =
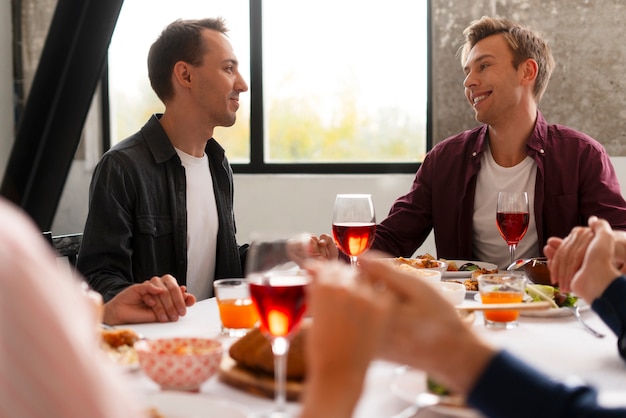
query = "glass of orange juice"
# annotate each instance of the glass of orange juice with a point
(237, 312)
(501, 288)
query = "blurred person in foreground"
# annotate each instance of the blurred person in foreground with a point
(567, 174)
(49, 334)
(393, 316)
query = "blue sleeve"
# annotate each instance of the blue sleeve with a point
(510, 388)
(611, 306)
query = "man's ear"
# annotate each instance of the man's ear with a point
(529, 70)
(182, 73)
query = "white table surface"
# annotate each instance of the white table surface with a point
(558, 346)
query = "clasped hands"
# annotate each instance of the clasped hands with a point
(160, 299)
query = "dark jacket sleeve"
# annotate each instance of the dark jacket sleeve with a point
(105, 257)
(510, 388)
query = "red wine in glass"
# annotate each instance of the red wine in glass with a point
(512, 226)
(280, 301)
(278, 292)
(512, 218)
(354, 238)
(354, 224)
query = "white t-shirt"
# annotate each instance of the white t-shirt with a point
(202, 225)
(488, 243)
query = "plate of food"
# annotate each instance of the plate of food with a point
(562, 302)
(464, 268)
(118, 345)
(409, 383)
(420, 262)
(166, 404)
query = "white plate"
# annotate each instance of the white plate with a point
(548, 313)
(553, 313)
(461, 274)
(192, 405)
(408, 383)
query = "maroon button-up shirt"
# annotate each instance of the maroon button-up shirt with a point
(575, 179)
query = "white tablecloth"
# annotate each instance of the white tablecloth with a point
(558, 346)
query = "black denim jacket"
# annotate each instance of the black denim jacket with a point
(137, 222)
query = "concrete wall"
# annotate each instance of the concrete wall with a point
(588, 89)
(587, 92)
(7, 134)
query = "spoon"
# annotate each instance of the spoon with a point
(518, 263)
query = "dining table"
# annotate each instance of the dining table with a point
(555, 344)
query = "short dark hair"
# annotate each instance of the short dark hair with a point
(181, 40)
(524, 43)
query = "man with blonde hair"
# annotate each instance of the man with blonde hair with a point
(568, 175)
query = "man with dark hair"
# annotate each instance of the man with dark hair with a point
(161, 201)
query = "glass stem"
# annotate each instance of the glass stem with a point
(512, 250)
(353, 260)
(280, 348)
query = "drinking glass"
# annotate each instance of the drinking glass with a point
(237, 312)
(277, 287)
(354, 224)
(501, 288)
(512, 217)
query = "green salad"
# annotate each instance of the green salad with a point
(540, 292)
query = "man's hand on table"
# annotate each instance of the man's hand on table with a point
(159, 299)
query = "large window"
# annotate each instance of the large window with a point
(335, 85)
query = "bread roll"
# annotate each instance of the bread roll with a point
(254, 352)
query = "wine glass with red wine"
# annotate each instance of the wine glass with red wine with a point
(354, 224)
(512, 217)
(277, 289)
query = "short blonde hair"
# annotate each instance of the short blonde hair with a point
(524, 43)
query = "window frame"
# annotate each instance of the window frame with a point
(257, 165)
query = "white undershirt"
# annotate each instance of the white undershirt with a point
(488, 243)
(202, 225)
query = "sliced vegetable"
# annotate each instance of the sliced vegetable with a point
(469, 267)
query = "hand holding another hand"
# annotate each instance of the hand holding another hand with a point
(587, 260)
(159, 299)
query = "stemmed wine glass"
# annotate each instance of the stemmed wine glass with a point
(512, 217)
(277, 288)
(354, 224)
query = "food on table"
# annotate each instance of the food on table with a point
(451, 265)
(471, 285)
(465, 267)
(437, 388)
(448, 398)
(254, 353)
(118, 343)
(540, 292)
(188, 349)
(480, 271)
(421, 262)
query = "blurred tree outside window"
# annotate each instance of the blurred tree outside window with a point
(344, 81)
